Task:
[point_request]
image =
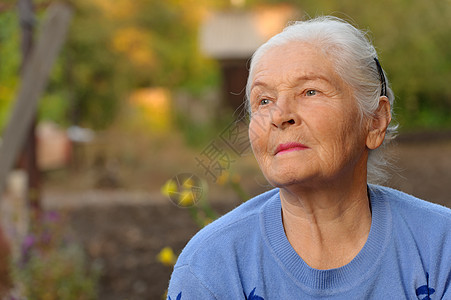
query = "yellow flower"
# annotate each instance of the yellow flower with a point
(223, 178)
(167, 256)
(169, 188)
(188, 183)
(186, 198)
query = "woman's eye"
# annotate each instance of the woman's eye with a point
(311, 92)
(264, 102)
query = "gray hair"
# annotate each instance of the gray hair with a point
(354, 58)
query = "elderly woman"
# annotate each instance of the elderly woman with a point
(320, 107)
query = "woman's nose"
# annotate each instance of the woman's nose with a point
(284, 116)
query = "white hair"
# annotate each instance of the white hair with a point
(354, 58)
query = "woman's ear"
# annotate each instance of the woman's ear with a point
(378, 124)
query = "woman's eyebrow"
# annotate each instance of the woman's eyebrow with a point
(311, 77)
(303, 77)
(257, 83)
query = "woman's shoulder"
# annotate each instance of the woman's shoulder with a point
(223, 233)
(402, 201)
(417, 216)
(420, 234)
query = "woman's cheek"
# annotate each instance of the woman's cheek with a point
(257, 136)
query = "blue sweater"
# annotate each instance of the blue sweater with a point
(246, 255)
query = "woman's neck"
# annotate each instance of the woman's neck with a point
(327, 228)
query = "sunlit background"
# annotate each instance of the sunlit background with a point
(141, 131)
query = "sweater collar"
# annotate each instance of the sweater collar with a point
(338, 279)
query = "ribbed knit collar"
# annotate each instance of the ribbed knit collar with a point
(328, 282)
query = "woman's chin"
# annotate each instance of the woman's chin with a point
(287, 179)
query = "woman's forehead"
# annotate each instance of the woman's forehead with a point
(294, 62)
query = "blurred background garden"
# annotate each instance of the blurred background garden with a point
(144, 103)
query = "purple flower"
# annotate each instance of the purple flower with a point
(28, 242)
(52, 216)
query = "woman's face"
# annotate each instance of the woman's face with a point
(305, 126)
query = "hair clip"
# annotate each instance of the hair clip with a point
(382, 76)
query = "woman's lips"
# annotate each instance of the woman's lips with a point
(288, 147)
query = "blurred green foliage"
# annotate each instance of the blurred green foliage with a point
(115, 47)
(10, 57)
(196, 134)
(52, 265)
